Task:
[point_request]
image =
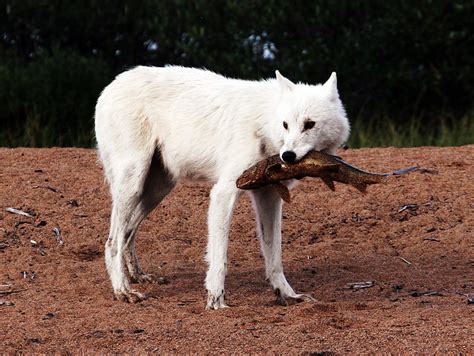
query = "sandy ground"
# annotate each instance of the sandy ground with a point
(413, 237)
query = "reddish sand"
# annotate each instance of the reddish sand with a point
(413, 237)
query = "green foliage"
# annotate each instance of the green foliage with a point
(414, 132)
(394, 59)
(50, 101)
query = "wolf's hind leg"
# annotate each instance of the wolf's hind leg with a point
(123, 225)
(129, 207)
(157, 185)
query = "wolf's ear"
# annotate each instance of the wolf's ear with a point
(330, 87)
(285, 84)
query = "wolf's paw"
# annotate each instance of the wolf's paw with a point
(215, 302)
(284, 300)
(129, 296)
(141, 277)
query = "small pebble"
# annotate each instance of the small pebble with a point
(98, 334)
(73, 202)
(48, 316)
(163, 280)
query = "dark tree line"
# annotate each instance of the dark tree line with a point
(399, 59)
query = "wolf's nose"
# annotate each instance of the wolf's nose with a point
(288, 156)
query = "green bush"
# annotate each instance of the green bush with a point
(50, 101)
(413, 132)
(395, 59)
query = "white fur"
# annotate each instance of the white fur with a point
(155, 125)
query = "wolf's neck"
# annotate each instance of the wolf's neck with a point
(268, 121)
(253, 104)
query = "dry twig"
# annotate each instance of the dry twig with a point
(360, 285)
(18, 212)
(6, 289)
(406, 261)
(6, 302)
(46, 187)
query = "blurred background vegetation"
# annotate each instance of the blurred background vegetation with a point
(405, 68)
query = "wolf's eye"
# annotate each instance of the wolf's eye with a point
(285, 125)
(308, 125)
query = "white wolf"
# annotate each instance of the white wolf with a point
(155, 125)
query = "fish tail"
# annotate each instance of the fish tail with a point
(406, 170)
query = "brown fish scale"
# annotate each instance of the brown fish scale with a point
(315, 164)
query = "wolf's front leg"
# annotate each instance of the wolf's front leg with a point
(267, 204)
(223, 197)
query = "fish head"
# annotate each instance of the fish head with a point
(251, 177)
(259, 174)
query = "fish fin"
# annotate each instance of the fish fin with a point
(360, 187)
(283, 191)
(329, 182)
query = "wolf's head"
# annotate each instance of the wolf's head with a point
(310, 117)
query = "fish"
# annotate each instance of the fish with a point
(327, 167)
